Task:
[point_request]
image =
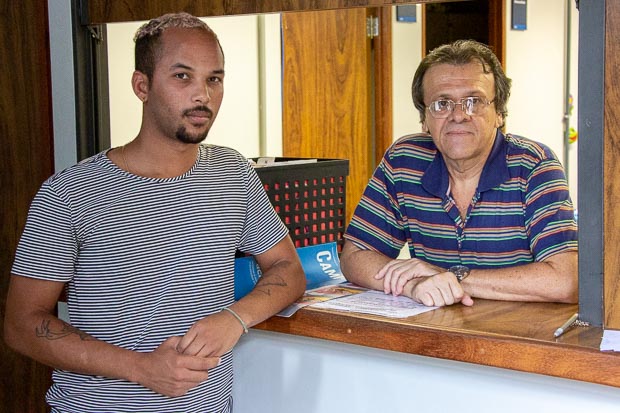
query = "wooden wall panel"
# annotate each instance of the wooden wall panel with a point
(612, 167)
(26, 159)
(326, 94)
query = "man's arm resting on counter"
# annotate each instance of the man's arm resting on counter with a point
(281, 283)
(31, 328)
(360, 266)
(551, 280)
(414, 278)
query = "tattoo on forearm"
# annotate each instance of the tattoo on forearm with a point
(265, 283)
(45, 331)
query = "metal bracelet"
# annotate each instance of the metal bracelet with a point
(243, 324)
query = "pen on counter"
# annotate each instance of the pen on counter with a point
(566, 325)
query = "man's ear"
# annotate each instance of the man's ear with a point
(424, 127)
(140, 85)
(499, 120)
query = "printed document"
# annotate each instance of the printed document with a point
(376, 303)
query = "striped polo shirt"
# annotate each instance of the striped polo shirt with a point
(144, 259)
(520, 213)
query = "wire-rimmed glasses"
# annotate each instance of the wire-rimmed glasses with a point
(472, 105)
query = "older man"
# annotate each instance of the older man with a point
(484, 214)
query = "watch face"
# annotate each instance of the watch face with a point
(460, 271)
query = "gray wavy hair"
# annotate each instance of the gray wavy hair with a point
(462, 52)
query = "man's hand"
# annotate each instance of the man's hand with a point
(211, 336)
(397, 273)
(440, 290)
(167, 372)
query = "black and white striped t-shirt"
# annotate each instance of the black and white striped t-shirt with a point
(143, 260)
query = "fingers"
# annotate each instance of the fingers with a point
(441, 290)
(211, 336)
(171, 343)
(189, 344)
(184, 342)
(183, 374)
(199, 365)
(170, 373)
(385, 273)
(396, 273)
(467, 301)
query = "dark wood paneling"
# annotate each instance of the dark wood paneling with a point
(26, 159)
(497, 29)
(612, 167)
(109, 11)
(483, 21)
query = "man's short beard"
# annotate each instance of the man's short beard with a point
(184, 137)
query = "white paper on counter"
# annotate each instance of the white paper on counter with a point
(611, 340)
(377, 303)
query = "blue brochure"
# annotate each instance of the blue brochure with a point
(320, 263)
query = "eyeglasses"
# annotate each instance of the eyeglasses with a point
(472, 105)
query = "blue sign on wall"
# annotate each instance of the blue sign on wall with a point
(519, 14)
(406, 14)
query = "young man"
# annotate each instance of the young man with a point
(143, 238)
(484, 214)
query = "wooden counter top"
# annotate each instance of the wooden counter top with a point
(511, 335)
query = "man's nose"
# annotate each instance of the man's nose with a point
(461, 113)
(203, 95)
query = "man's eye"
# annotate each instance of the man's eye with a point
(442, 104)
(182, 76)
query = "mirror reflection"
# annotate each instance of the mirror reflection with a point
(250, 120)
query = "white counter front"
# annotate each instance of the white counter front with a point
(282, 373)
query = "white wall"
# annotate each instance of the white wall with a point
(536, 63)
(573, 71)
(244, 115)
(406, 55)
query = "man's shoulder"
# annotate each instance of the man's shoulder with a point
(419, 146)
(416, 139)
(89, 168)
(223, 156)
(219, 150)
(522, 146)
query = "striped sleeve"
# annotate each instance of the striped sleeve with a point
(48, 247)
(550, 221)
(378, 223)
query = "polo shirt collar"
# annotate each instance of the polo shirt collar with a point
(495, 171)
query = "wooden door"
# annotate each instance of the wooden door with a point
(481, 20)
(27, 160)
(327, 92)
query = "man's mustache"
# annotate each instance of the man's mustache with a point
(198, 110)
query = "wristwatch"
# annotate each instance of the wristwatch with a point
(460, 272)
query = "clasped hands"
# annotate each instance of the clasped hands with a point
(182, 363)
(422, 282)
